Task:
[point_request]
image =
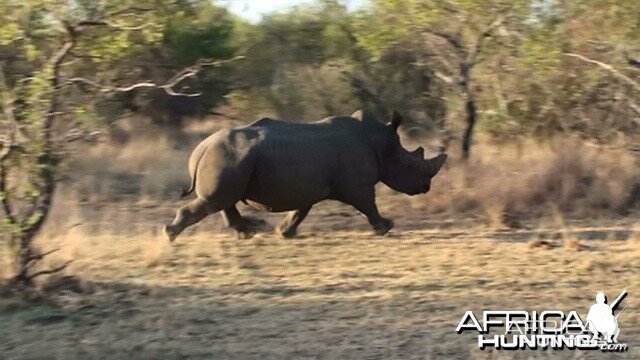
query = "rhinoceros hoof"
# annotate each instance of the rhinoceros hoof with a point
(251, 223)
(245, 234)
(286, 233)
(383, 227)
(168, 234)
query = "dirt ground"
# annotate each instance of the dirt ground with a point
(337, 292)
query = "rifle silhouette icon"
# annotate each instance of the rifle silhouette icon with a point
(617, 301)
(620, 313)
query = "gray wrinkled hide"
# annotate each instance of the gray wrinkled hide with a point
(278, 166)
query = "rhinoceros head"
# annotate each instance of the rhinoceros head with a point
(404, 171)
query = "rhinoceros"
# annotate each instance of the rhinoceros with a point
(280, 166)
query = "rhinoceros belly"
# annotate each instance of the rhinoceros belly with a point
(288, 185)
(285, 195)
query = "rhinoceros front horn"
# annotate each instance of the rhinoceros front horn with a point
(435, 164)
(419, 153)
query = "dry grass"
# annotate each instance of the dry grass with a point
(342, 294)
(145, 168)
(532, 180)
(634, 236)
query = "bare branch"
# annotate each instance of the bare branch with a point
(6, 102)
(130, 11)
(77, 134)
(85, 56)
(477, 46)
(7, 146)
(40, 256)
(451, 39)
(635, 108)
(447, 79)
(168, 86)
(4, 199)
(57, 58)
(609, 68)
(107, 88)
(50, 271)
(452, 8)
(112, 25)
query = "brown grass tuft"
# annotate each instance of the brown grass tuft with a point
(540, 244)
(573, 244)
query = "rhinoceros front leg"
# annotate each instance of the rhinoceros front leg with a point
(245, 227)
(289, 226)
(364, 200)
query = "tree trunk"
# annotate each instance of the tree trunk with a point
(21, 270)
(35, 216)
(470, 108)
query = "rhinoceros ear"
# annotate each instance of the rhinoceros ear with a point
(396, 120)
(358, 115)
(419, 152)
(435, 164)
(364, 115)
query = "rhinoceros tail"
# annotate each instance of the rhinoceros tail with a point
(189, 190)
(199, 152)
(193, 182)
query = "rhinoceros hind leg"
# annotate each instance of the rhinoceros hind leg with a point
(289, 226)
(186, 216)
(245, 226)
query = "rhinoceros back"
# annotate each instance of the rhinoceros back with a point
(285, 165)
(300, 164)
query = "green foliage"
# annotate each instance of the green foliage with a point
(523, 81)
(203, 36)
(294, 63)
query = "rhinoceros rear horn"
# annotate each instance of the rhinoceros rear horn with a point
(435, 164)
(396, 120)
